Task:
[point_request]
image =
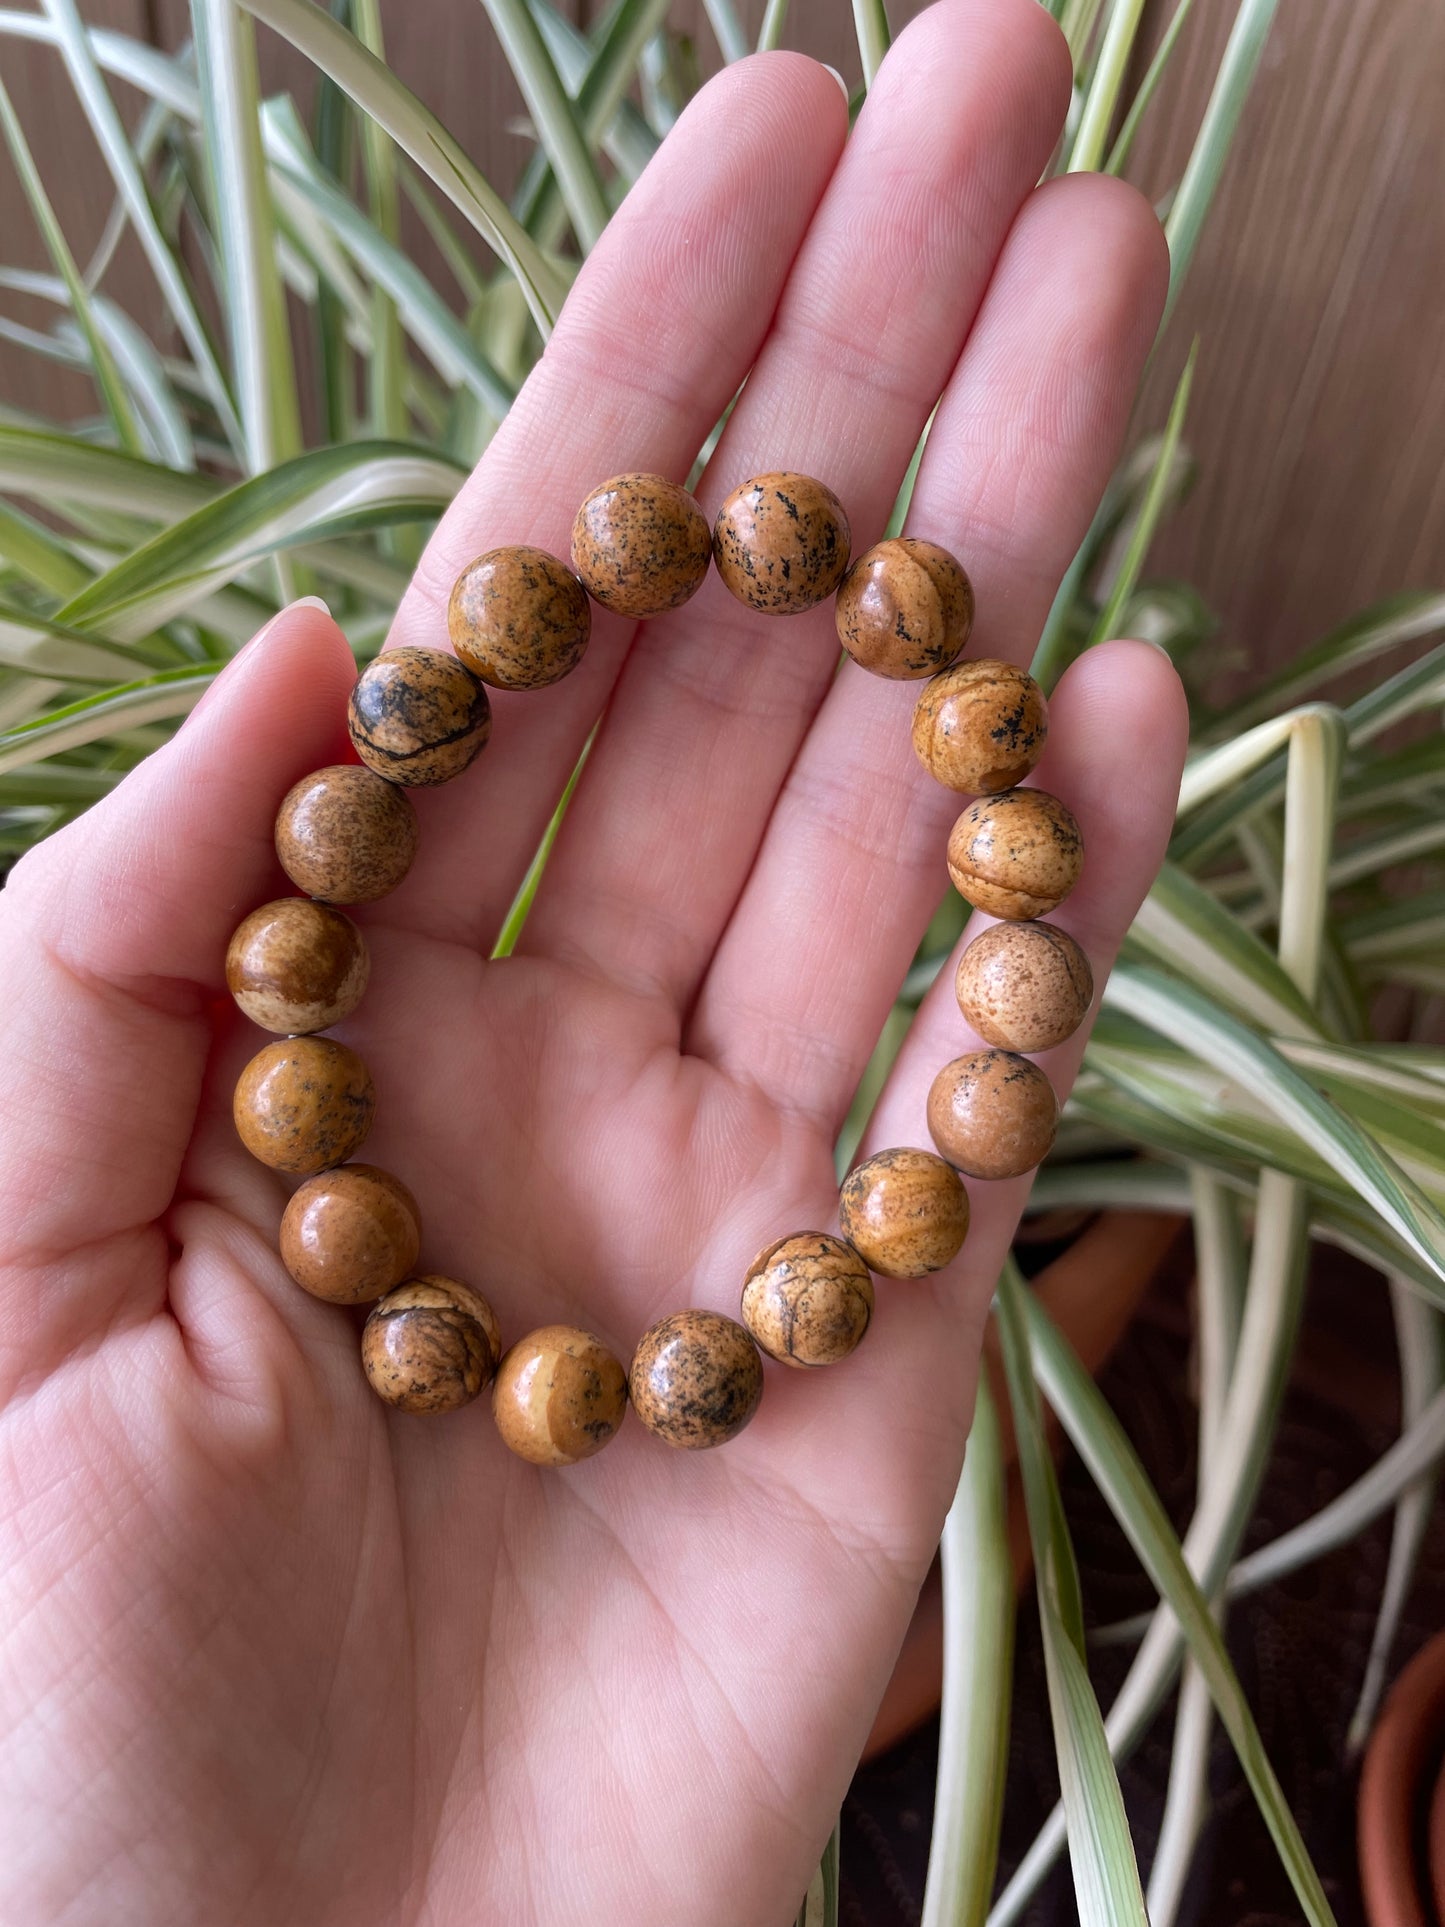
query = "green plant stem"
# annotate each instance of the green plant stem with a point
(978, 1635)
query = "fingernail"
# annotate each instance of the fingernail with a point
(249, 652)
(839, 78)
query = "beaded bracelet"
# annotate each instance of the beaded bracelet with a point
(519, 619)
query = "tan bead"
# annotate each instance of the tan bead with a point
(641, 545)
(1017, 855)
(559, 1396)
(905, 609)
(905, 1212)
(980, 727)
(345, 835)
(431, 1345)
(519, 618)
(696, 1379)
(418, 717)
(304, 1104)
(807, 1299)
(297, 966)
(993, 1114)
(351, 1234)
(781, 542)
(1024, 986)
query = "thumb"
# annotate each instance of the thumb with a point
(112, 943)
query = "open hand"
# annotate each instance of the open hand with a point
(273, 1653)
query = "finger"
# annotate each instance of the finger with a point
(655, 338)
(713, 701)
(903, 1405)
(851, 868)
(112, 949)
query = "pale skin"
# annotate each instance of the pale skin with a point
(272, 1653)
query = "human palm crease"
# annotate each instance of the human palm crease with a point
(275, 1653)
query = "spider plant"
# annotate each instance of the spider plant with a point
(1234, 1075)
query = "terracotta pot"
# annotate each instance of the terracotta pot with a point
(1403, 1763)
(1091, 1291)
(1437, 1844)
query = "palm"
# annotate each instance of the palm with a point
(280, 1654)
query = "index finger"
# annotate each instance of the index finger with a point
(662, 325)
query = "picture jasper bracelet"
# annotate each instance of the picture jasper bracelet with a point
(519, 619)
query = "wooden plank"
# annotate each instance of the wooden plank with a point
(1318, 413)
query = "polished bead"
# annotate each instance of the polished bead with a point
(559, 1396)
(1016, 855)
(980, 727)
(431, 1345)
(781, 542)
(344, 835)
(641, 545)
(418, 717)
(296, 966)
(351, 1234)
(304, 1104)
(518, 618)
(696, 1379)
(1024, 986)
(993, 1114)
(904, 609)
(807, 1299)
(905, 1212)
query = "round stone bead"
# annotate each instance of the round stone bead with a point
(345, 835)
(1024, 986)
(304, 1104)
(993, 1114)
(781, 542)
(641, 545)
(419, 717)
(905, 609)
(297, 966)
(1016, 855)
(351, 1234)
(519, 618)
(807, 1299)
(431, 1345)
(980, 727)
(905, 1212)
(696, 1379)
(559, 1396)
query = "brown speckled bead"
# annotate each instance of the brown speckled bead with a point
(980, 727)
(296, 966)
(1024, 986)
(519, 618)
(1017, 855)
(641, 545)
(993, 1114)
(345, 835)
(905, 609)
(304, 1104)
(350, 1234)
(431, 1345)
(807, 1299)
(781, 542)
(559, 1396)
(418, 717)
(696, 1379)
(905, 1212)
